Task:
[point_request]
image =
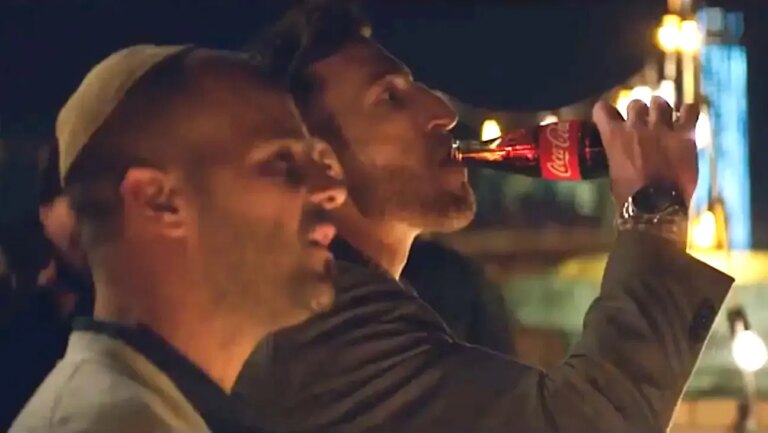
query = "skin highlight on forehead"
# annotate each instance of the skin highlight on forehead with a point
(358, 56)
(233, 108)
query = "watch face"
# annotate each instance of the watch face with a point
(653, 199)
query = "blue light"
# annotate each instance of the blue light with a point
(724, 83)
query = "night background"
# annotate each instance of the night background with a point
(515, 61)
(520, 56)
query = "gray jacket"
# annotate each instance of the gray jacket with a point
(103, 385)
(382, 361)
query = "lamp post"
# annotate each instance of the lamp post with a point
(681, 37)
(678, 38)
(749, 354)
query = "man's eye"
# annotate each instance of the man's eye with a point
(389, 95)
(281, 165)
(274, 168)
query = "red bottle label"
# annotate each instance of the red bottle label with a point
(559, 151)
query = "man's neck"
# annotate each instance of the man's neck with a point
(219, 347)
(217, 342)
(387, 244)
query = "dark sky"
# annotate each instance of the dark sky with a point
(501, 54)
(508, 55)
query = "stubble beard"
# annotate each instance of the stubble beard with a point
(402, 196)
(259, 273)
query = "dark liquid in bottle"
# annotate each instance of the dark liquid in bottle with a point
(570, 150)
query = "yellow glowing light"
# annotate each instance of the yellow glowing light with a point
(490, 130)
(749, 351)
(668, 34)
(704, 231)
(549, 118)
(643, 93)
(690, 37)
(667, 91)
(623, 100)
(689, 77)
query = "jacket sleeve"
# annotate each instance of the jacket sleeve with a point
(383, 362)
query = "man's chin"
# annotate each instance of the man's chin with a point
(450, 223)
(313, 295)
(323, 298)
(319, 290)
(453, 212)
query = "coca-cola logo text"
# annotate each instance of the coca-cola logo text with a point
(557, 134)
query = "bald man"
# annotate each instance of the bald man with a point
(201, 202)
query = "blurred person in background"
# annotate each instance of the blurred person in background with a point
(381, 360)
(34, 319)
(46, 286)
(68, 268)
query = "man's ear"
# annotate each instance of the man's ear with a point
(154, 197)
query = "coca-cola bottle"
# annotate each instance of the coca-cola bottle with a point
(570, 150)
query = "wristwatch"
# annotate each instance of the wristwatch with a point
(658, 208)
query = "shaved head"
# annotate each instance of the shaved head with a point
(169, 120)
(205, 163)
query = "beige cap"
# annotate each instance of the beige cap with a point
(99, 93)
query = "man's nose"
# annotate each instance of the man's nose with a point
(325, 180)
(444, 116)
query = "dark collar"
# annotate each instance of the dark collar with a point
(346, 252)
(211, 402)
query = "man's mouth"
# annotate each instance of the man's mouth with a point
(450, 156)
(451, 159)
(321, 235)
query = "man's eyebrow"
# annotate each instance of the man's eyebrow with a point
(388, 73)
(263, 148)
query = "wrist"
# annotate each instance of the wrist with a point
(673, 229)
(658, 209)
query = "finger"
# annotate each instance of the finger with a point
(606, 117)
(637, 113)
(661, 112)
(689, 115)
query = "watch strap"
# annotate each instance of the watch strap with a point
(670, 222)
